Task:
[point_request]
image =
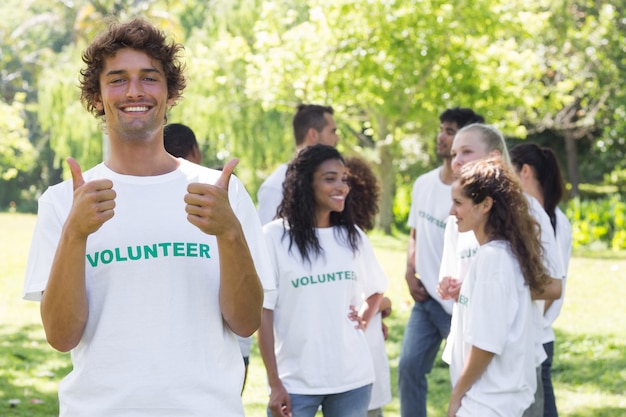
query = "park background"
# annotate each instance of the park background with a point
(548, 71)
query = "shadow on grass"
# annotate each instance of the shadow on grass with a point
(30, 371)
(599, 412)
(597, 362)
(594, 363)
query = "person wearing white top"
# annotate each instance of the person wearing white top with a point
(540, 176)
(147, 265)
(364, 198)
(480, 141)
(312, 124)
(328, 287)
(492, 362)
(429, 322)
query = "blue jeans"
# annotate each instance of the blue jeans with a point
(351, 403)
(428, 325)
(549, 405)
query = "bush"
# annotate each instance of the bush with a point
(617, 178)
(598, 222)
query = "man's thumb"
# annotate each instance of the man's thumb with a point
(228, 169)
(77, 174)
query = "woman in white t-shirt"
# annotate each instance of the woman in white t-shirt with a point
(492, 351)
(479, 141)
(364, 197)
(540, 175)
(314, 353)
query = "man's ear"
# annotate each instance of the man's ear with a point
(312, 137)
(171, 101)
(97, 103)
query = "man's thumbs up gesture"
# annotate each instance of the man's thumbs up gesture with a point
(93, 203)
(208, 207)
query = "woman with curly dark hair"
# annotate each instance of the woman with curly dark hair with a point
(364, 192)
(326, 276)
(364, 197)
(493, 365)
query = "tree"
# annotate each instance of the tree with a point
(217, 105)
(390, 66)
(16, 152)
(582, 70)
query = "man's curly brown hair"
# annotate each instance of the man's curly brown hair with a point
(136, 34)
(364, 192)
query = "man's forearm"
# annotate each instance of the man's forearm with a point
(64, 306)
(241, 292)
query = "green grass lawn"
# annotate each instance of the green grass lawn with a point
(589, 364)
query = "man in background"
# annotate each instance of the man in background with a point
(429, 322)
(312, 124)
(181, 142)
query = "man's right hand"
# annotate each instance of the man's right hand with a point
(93, 204)
(280, 402)
(416, 288)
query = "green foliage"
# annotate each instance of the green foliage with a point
(387, 67)
(16, 152)
(72, 131)
(617, 177)
(596, 191)
(599, 223)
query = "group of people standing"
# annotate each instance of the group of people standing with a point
(487, 272)
(150, 268)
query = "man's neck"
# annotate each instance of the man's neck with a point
(140, 159)
(446, 175)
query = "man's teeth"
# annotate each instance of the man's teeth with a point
(136, 109)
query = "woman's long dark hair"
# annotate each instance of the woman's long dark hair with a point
(509, 218)
(298, 206)
(547, 171)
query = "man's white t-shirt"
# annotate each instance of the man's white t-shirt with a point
(155, 343)
(430, 205)
(270, 194)
(495, 314)
(318, 350)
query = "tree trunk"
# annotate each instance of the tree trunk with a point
(386, 188)
(572, 162)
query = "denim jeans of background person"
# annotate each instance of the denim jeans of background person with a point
(428, 325)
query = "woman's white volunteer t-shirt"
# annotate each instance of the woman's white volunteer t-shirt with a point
(318, 350)
(495, 314)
